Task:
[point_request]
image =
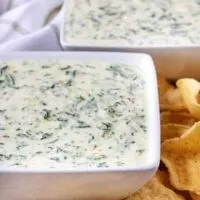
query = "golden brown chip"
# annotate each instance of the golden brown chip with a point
(177, 118)
(172, 100)
(155, 190)
(195, 196)
(190, 89)
(169, 131)
(182, 158)
(163, 84)
(169, 97)
(163, 177)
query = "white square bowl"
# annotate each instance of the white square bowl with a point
(102, 183)
(164, 56)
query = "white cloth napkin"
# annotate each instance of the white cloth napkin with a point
(30, 25)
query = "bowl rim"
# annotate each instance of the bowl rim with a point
(145, 63)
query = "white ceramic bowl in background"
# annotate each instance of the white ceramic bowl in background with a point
(102, 183)
(164, 56)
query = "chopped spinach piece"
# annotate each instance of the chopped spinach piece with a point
(3, 70)
(47, 114)
(81, 124)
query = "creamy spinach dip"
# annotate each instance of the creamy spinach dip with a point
(71, 114)
(132, 22)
